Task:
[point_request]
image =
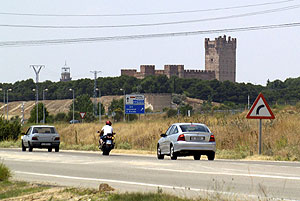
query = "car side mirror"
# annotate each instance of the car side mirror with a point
(163, 135)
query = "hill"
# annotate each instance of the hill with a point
(53, 106)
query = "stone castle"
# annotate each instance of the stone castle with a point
(220, 63)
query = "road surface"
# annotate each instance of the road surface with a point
(183, 177)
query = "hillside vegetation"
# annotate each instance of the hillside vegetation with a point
(222, 92)
(236, 136)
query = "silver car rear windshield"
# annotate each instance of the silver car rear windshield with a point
(44, 130)
(194, 128)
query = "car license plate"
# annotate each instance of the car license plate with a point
(108, 142)
(197, 138)
(45, 144)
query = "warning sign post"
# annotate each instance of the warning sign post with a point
(260, 110)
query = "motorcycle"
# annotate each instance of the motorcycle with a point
(107, 143)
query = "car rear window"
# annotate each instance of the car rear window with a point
(193, 128)
(44, 130)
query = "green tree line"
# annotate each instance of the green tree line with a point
(214, 90)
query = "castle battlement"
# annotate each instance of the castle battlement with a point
(198, 71)
(220, 42)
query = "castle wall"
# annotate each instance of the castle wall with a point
(200, 74)
(159, 72)
(128, 72)
(159, 101)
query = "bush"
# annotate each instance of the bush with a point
(132, 117)
(61, 116)
(4, 172)
(185, 108)
(171, 113)
(9, 130)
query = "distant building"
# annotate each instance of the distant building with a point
(220, 64)
(65, 74)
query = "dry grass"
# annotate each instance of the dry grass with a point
(236, 136)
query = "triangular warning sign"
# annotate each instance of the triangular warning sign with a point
(82, 114)
(260, 109)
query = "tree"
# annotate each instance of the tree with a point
(117, 107)
(184, 109)
(102, 109)
(32, 118)
(82, 103)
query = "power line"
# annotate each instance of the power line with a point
(145, 36)
(145, 14)
(154, 24)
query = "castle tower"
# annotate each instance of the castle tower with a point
(147, 70)
(171, 70)
(220, 56)
(65, 73)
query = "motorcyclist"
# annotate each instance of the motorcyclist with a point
(105, 130)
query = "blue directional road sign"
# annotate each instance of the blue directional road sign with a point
(134, 109)
(135, 104)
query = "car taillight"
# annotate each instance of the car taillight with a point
(57, 138)
(34, 138)
(212, 138)
(181, 138)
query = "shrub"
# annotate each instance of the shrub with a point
(9, 130)
(4, 172)
(171, 113)
(61, 116)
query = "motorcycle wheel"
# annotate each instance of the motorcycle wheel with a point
(105, 152)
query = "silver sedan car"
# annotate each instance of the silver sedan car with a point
(187, 139)
(41, 136)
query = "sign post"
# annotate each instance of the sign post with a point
(135, 104)
(260, 110)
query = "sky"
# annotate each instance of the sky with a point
(262, 55)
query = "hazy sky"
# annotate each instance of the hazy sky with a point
(261, 55)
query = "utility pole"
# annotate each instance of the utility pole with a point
(95, 91)
(3, 101)
(248, 102)
(124, 100)
(37, 69)
(45, 90)
(98, 89)
(7, 101)
(22, 120)
(73, 91)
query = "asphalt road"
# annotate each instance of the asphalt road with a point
(184, 177)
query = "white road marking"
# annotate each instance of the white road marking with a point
(224, 173)
(148, 185)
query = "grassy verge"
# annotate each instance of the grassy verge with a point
(5, 173)
(18, 190)
(10, 143)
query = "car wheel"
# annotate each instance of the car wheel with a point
(173, 155)
(211, 156)
(23, 147)
(159, 155)
(29, 147)
(197, 157)
(56, 149)
(50, 149)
